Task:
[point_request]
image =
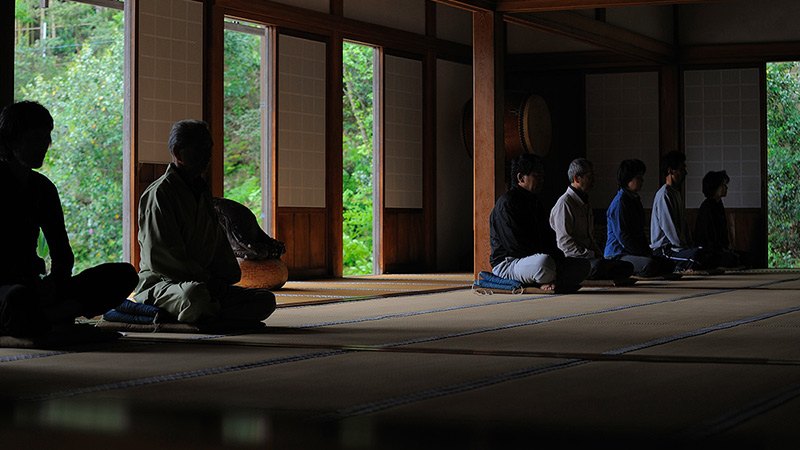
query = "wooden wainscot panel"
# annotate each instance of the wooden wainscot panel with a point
(746, 231)
(404, 241)
(304, 232)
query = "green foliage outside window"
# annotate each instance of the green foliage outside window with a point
(77, 73)
(242, 113)
(357, 142)
(783, 170)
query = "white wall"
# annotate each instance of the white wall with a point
(453, 169)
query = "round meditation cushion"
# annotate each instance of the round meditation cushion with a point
(265, 273)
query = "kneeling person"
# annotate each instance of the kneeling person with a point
(523, 245)
(572, 220)
(187, 266)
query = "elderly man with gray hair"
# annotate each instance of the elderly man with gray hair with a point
(187, 266)
(572, 220)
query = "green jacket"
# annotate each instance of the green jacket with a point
(180, 237)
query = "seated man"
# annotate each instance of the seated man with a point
(33, 301)
(523, 244)
(711, 228)
(187, 266)
(669, 232)
(572, 220)
(625, 222)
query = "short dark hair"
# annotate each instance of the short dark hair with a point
(525, 164)
(628, 169)
(187, 133)
(672, 160)
(714, 180)
(18, 118)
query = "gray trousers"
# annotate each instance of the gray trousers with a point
(542, 269)
(193, 302)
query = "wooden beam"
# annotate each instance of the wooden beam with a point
(588, 30)
(489, 150)
(304, 20)
(740, 53)
(6, 53)
(521, 6)
(470, 5)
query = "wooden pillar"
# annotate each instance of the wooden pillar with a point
(334, 159)
(6, 53)
(487, 32)
(214, 91)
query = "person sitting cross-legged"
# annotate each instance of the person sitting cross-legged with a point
(33, 300)
(573, 221)
(523, 244)
(669, 231)
(711, 228)
(625, 224)
(187, 265)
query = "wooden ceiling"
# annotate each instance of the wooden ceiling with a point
(526, 6)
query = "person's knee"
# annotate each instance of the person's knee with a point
(192, 303)
(541, 271)
(265, 301)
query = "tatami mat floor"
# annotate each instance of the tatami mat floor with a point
(698, 361)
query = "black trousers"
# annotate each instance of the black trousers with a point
(33, 308)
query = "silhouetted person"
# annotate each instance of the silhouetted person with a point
(669, 232)
(523, 244)
(187, 266)
(573, 221)
(625, 223)
(32, 301)
(711, 228)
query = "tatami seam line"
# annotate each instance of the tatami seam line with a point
(371, 407)
(274, 361)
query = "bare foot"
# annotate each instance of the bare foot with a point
(548, 287)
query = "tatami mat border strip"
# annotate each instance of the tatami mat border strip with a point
(348, 283)
(367, 297)
(400, 400)
(551, 319)
(417, 313)
(303, 357)
(31, 356)
(731, 419)
(392, 402)
(181, 376)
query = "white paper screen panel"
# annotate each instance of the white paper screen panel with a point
(621, 123)
(722, 122)
(170, 82)
(403, 132)
(301, 122)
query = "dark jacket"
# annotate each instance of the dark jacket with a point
(26, 208)
(711, 229)
(520, 227)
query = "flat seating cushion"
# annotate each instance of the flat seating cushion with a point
(218, 327)
(79, 334)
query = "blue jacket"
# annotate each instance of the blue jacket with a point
(625, 222)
